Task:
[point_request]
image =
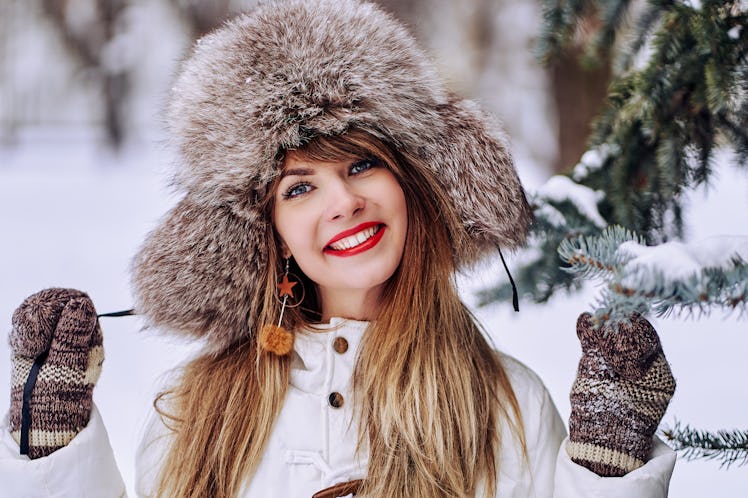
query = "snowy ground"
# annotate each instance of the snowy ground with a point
(73, 215)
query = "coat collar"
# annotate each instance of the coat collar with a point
(315, 360)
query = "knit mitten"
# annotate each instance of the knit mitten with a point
(622, 389)
(61, 324)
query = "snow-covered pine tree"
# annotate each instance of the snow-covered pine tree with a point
(679, 93)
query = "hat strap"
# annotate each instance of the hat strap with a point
(515, 296)
(118, 313)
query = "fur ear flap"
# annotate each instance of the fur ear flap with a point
(478, 172)
(198, 274)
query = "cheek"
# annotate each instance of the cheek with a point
(283, 224)
(395, 197)
(295, 229)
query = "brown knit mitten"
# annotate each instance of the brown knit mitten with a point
(622, 389)
(61, 324)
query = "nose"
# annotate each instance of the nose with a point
(344, 201)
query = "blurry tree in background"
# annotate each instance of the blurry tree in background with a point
(485, 50)
(579, 86)
(98, 62)
(679, 93)
(656, 138)
(78, 63)
(88, 30)
(201, 16)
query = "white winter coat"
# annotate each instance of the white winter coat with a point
(312, 444)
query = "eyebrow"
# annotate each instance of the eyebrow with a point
(297, 172)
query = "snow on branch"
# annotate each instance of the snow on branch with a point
(670, 277)
(649, 267)
(559, 189)
(593, 160)
(562, 209)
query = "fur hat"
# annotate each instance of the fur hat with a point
(272, 80)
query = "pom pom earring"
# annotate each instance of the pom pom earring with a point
(275, 338)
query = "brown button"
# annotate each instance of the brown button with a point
(335, 400)
(340, 345)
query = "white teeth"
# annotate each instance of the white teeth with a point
(355, 239)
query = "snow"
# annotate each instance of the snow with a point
(560, 188)
(73, 214)
(677, 261)
(706, 355)
(592, 160)
(551, 215)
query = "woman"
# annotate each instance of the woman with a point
(321, 152)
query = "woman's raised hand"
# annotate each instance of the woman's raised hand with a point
(58, 330)
(622, 389)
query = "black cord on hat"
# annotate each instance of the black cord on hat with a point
(118, 313)
(515, 296)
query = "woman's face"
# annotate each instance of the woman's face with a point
(345, 225)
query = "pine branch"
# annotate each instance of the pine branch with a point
(666, 118)
(737, 133)
(612, 14)
(697, 296)
(562, 209)
(537, 280)
(560, 21)
(655, 139)
(642, 30)
(728, 447)
(670, 278)
(598, 256)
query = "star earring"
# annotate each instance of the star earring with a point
(275, 338)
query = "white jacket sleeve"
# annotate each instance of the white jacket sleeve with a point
(85, 468)
(649, 481)
(531, 474)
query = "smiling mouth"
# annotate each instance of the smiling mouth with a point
(365, 237)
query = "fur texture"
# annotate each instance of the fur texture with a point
(272, 80)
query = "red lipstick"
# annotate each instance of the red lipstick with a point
(364, 246)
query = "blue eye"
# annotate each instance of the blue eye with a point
(361, 166)
(297, 190)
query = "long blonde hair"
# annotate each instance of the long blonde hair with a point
(430, 392)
